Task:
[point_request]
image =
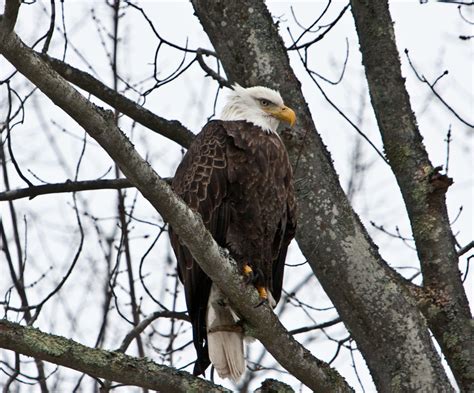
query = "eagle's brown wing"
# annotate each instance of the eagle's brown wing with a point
(282, 240)
(201, 181)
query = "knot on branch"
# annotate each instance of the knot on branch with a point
(440, 182)
(274, 386)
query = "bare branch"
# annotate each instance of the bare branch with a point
(209, 71)
(323, 325)
(171, 129)
(457, 2)
(8, 19)
(49, 33)
(431, 85)
(68, 186)
(98, 362)
(146, 322)
(466, 248)
(306, 45)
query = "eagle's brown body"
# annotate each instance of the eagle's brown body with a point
(239, 179)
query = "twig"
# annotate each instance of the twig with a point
(315, 327)
(294, 46)
(466, 248)
(210, 72)
(456, 2)
(49, 33)
(308, 29)
(463, 17)
(448, 141)
(147, 321)
(467, 268)
(422, 79)
(171, 129)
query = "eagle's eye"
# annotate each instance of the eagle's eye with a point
(264, 102)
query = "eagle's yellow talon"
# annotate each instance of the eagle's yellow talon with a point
(262, 292)
(247, 270)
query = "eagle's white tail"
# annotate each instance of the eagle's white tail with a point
(226, 347)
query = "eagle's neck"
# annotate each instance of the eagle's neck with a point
(237, 111)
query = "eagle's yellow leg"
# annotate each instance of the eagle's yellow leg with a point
(262, 291)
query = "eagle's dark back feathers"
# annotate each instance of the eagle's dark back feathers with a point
(240, 180)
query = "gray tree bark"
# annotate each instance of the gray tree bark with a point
(103, 364)
(371, 299)
(422, 187)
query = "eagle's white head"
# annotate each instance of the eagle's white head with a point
(258, 105)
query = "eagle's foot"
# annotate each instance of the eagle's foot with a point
(249, 274)
(247, 270)
(263, 294)
(252, 276)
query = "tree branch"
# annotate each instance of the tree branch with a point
(68, 186)
(323, 325)
(431, 85)
(171, 129)
(144, 323)
(98, 362)
(209, 71)
(10, 15)
(188, 225)
(306, 45)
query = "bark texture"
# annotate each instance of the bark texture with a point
(422, 187)
(382, 318)
(101, 126)
(113, 366)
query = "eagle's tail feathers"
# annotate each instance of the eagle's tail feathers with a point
(226, 351)
(226, 348)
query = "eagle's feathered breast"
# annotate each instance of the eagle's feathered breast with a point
(259, 175)
(240, 181)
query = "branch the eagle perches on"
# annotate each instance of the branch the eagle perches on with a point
(99, 123)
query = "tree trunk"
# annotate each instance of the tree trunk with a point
(422, 187)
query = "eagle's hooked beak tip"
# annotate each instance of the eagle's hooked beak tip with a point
(287, 115)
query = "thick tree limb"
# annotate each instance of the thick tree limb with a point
(223, 272)
(171, 129)
(422, 187)
(98, 362)
(388, 328)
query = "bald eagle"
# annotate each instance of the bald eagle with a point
(237, 175)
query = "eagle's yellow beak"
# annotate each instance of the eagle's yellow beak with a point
(284, 114)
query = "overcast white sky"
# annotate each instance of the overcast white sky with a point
(429, 31)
